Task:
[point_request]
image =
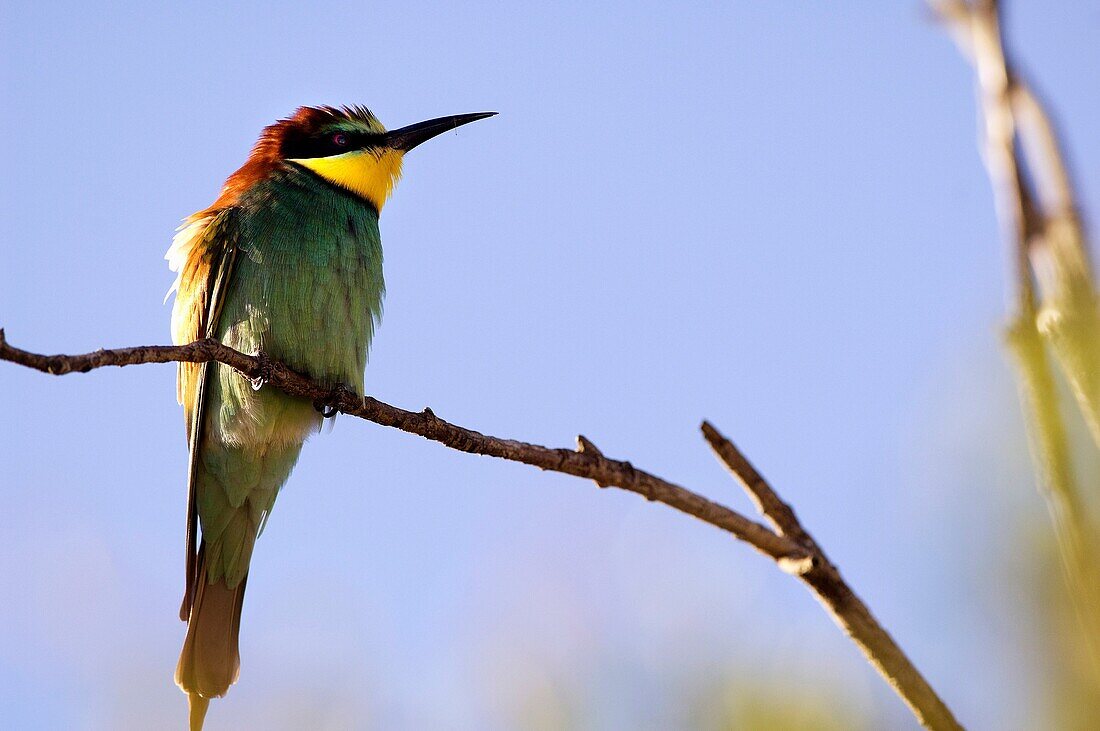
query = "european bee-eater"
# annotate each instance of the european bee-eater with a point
(287, 262)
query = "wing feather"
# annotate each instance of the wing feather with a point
(204, 253)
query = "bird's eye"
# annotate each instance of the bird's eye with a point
(340, 139)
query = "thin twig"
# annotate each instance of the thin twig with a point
(793, 550)
(767, 502)
(833, 592)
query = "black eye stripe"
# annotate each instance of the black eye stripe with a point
(326, 144)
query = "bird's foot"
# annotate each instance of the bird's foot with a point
(264, 371)
(329, 406)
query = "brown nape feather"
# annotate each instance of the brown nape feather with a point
(210, 660)
(267, 155)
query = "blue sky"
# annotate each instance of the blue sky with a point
(772, 215)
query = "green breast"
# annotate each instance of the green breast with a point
(306, 290)
(308, 284)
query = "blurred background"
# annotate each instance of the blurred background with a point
(773, 216)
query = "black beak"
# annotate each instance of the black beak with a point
(406, 138)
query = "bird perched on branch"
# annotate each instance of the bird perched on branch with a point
(287, 262)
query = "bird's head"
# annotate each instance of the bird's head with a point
(346, 146)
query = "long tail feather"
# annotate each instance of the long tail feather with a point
(210, 660)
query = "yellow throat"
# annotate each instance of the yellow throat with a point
(370, 173)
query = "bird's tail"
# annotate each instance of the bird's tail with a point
(210, 661)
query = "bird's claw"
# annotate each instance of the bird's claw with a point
(329, 406)
(264, 370)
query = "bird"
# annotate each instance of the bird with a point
(286, 263)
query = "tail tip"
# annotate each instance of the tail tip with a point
(197, 706)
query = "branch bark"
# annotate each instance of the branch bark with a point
(789, 545)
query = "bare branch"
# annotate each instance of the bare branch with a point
(767, 502)
(588, 463)
(824, 579)
(793, 550)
